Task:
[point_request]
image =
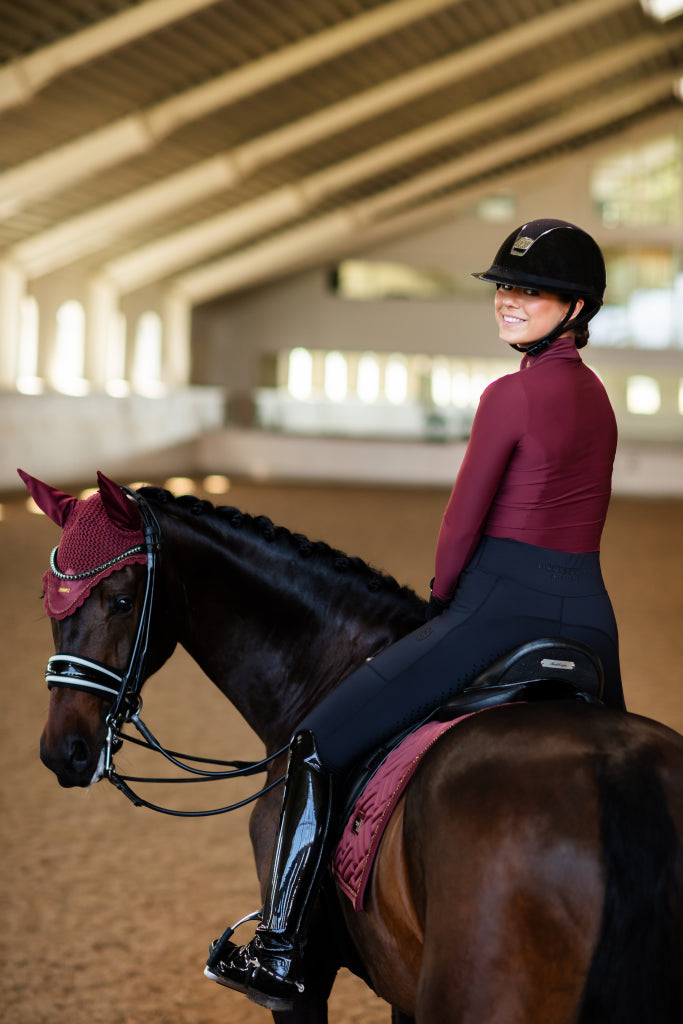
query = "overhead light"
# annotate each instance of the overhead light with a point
(662, 10)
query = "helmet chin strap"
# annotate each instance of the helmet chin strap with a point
(546, 340)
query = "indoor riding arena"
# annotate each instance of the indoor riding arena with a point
(236, 243)
(109, 908)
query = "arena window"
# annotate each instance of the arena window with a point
(147, 365)
(67, 369)
(643, 395)
(641, 186)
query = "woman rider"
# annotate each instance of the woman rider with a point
(517, 559)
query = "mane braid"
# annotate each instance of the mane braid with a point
(261, 526)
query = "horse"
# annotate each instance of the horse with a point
(533, 869)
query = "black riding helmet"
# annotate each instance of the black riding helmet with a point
(553, 256)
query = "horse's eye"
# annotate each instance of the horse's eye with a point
(121, 604)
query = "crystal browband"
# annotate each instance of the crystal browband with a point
(138, 549)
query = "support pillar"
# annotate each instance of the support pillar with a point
(100, 323)
(12, 291)
(176, 361)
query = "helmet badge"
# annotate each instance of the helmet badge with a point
(521, 244)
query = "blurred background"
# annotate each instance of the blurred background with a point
(237, 238)
(235, 248)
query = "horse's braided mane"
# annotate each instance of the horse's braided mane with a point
(261, 526)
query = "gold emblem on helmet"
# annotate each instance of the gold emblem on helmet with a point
(521, 244)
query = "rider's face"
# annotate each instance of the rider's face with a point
(524, 315)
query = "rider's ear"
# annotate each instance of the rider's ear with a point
(55, 504)
(121, 510)
(579, 304)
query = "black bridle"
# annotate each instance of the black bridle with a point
(124, 689)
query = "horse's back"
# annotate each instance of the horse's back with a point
(490, 885)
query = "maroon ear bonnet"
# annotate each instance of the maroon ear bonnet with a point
(101, 534)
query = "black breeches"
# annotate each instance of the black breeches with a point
(509, 594)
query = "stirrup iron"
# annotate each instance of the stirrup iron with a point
(256, 915)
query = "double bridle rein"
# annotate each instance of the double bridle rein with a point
(124, 689)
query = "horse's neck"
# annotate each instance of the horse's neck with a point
(271, 632)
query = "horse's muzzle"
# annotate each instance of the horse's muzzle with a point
(74, 762)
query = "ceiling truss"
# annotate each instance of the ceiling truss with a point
(208, 145)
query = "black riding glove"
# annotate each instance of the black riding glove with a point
(436, 606)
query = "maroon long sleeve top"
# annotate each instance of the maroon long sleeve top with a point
(538, 465)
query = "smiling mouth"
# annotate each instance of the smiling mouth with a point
(512, 320)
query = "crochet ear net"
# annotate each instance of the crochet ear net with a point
(122, 512)
(100, 535)
(59, 506)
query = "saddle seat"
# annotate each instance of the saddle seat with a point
(551, 668)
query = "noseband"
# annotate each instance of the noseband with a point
(124, 688)
(79, 673)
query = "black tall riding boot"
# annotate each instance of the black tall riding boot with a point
(268, 968)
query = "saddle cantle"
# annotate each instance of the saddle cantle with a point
(551, 668)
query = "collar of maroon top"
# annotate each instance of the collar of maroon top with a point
(563, 347)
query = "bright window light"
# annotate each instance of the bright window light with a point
(680, 396)
(179, 485)
(300, 375)
(367, 384)
(370, 279)
(441, 385)
(662, 10)
(461, 390)
(147, 361)
(336, 375)
(651, 318)
(396, 380)
(641, 186)
(67, 374)
(497, 209)
(216, 483)
(643, 396)
(477, 384)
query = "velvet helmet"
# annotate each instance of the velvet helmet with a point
(552, 256)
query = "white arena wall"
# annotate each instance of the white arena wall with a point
(65, 440)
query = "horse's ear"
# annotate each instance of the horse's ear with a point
(55, 504)
(120, 509)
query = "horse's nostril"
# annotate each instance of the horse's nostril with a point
(80, 755)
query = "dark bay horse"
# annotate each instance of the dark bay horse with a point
(533, 872)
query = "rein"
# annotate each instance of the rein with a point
(124, 690)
